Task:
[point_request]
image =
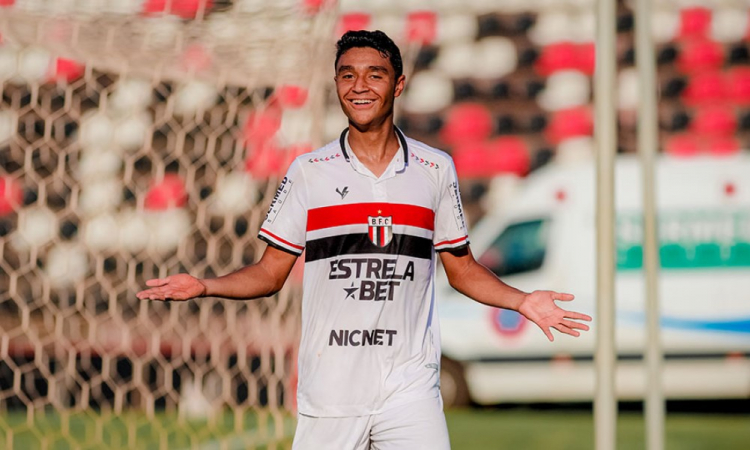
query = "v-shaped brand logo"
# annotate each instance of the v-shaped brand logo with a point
(344, 192)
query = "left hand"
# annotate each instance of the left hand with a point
(540, 308)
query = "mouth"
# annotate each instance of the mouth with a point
(361, 102)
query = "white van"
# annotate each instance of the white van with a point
(544, 238)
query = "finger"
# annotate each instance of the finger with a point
(563, 296)
(563, 329)
(575, 325)
(156, 282)
(548, 333)
(577, 316)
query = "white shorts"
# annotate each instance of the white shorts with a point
(415, 426)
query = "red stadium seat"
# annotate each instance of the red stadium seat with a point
(564, 56)
(470, 159)
(466, 122)
(352, 22)
(682, 145)
(695, 22)
(168, 193)
(421, 27)
(722, 145)
(66, 70)
(11, 195)
(700, 55)
(187, 9)
(704, 88)
(262, 125)
(509, 155)
(569, 123)
(738, 85)
(265, 160)
(714, 121)
(291, 96)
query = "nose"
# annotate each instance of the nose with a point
(360, 85)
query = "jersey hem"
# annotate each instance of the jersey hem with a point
(358, 411)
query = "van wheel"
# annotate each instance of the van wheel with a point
(453, 385)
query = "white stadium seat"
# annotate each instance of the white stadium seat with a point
(428, 92)
(565, 89)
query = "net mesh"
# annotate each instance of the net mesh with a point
(139, 140)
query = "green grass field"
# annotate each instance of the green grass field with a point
(574, 430)
(471, 429)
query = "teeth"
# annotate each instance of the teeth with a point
(361, 102)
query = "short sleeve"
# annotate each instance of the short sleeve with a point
(450, 225)
(285, 224)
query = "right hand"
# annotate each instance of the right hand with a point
(175, 287)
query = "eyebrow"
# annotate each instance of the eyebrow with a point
(371, 68)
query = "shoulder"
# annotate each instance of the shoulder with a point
(328, 153)
(429, 157)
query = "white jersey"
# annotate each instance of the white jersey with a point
(370, 331)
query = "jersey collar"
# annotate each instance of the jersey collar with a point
(352, 159)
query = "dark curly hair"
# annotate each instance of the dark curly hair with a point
(371, 39)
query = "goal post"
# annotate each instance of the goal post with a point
(139, 140)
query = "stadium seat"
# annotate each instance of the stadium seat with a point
(664, 25)
(66, 70)
(470, 159)
(569, 123)
(551, 27)
(353, 21)
(11, 195)
(565, 89)
(494, 58)
(566, 55)
(738, 85)
(508, 155)
(167, 193)
(455, 27)
(421, 27)
(695, 22)
(456, 59)
(729, 24)
(704, 88)
(428, 91)
(721, 146)
(700, 55)
(682, 145)
(466, 122)
(714, 121)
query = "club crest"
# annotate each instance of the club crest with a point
(380, 229)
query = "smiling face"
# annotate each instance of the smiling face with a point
(366, 85)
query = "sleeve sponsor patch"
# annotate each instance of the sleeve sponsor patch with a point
(458, 211)
(278, 200)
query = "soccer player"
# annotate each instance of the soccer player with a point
(370, 211)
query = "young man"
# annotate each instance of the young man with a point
(370, 210)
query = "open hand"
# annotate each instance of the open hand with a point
(176, 287)
(540, 308)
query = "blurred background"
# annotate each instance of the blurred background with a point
(141, 138)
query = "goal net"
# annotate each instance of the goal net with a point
(140, 139)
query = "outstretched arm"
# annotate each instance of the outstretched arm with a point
(264, 278)
(477, 282)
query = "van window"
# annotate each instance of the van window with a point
(519, 248)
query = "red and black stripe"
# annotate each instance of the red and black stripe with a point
(358, 244)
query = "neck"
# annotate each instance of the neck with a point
(374, 145)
